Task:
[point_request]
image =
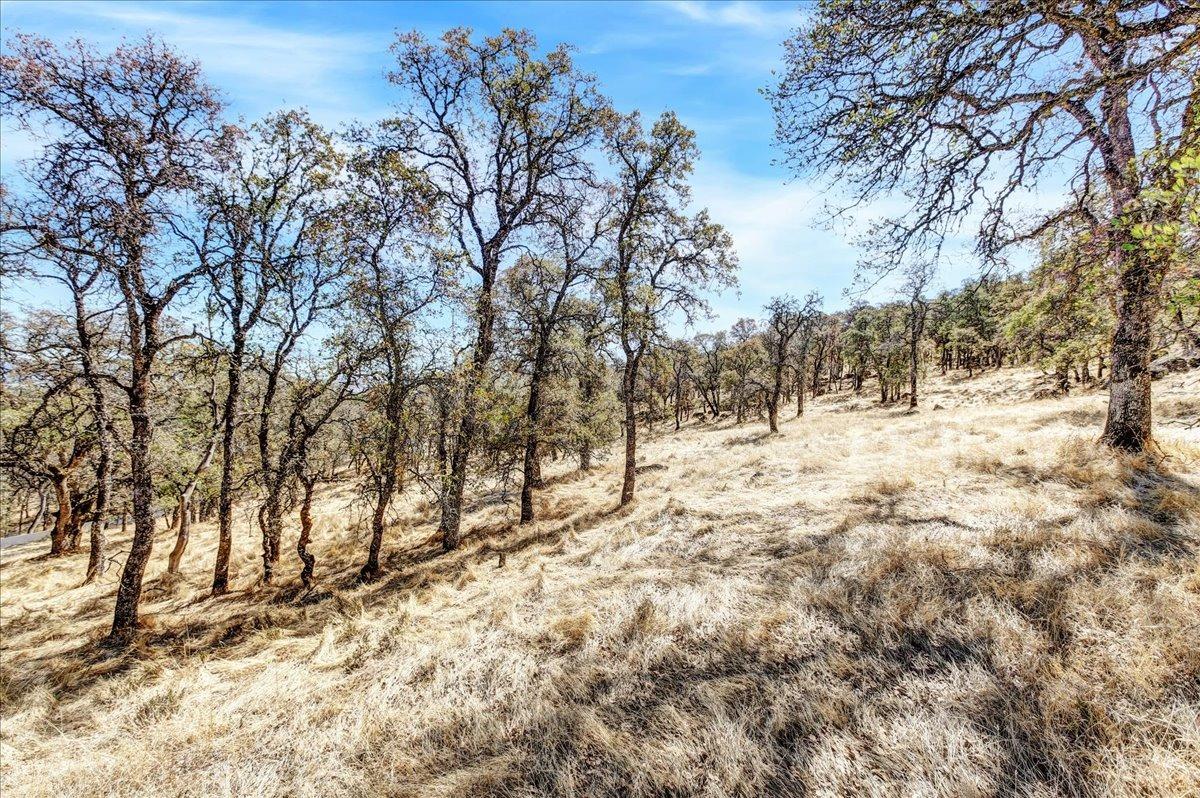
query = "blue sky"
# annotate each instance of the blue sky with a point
(706, 61)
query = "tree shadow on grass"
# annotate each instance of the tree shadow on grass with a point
(198, 624)
(884, 509)
(612, 710)
(752, 439)
(738, 709)
(425, 565)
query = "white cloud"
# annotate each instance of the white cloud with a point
(741, 38)
(19, 145)
(781, 248)
(268, 66)
(693, 70)
(755, 17)
(785, 247)
(624, 40)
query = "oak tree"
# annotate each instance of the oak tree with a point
(963, 107)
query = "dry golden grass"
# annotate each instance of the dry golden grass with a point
(961, 602)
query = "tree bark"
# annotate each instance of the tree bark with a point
(774, 397)
(129, 592)
(97, 542)
(186, 509)
(628, 382)
(220, 583)
(306, 524)
(531, 472)
(36, 523)
(1128, 425)
(1139, 274)
(452, 498)
(80, 506)
(912, 375)
(387, 486)
(389, 467)
(62, 519)
(917, 327)
(181, 535)
(271, 523)
(800, 387)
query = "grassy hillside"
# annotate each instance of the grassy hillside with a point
(963, 601)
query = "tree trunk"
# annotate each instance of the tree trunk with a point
(452, 498)
(912, 375)
(102, 424)
(181, 535)
(80, 507)
(800, 388)
(36, 523)
(174, 522)
(185, 509)
(678, 403)
(271, 523)
(1139, 272)
(220, 582)
(531, 471)
(628, 382)
(1128, 425)
(916, 328)
(538, 455)
(371, 568)
(62, 518)
(129, 592)
(775, 395)
(97, 563)
(306, 524)
(389, 466)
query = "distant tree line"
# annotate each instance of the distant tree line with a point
(1058, 318)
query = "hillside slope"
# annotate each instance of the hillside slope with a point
(966, 601)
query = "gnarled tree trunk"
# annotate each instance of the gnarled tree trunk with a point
(308, 561)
